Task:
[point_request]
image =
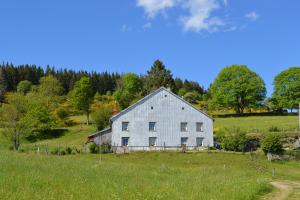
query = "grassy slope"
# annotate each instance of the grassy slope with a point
(286, 123)
(139, 176)
(134, 176)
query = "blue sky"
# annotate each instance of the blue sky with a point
(194, 38)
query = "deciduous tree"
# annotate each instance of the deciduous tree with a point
(81, 96)
(238, 87)
(24, 87)
(287, 89)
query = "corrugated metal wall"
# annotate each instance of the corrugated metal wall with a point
(168, 112)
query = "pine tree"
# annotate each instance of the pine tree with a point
(158, 76)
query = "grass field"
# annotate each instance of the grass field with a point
(162, 175)
(260, 124)
(139, 176)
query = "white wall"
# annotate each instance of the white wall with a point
(168, 114)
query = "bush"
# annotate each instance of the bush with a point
(234, 140)
(54, 151)
(271, 143)
(93, 148)
(68, 150)
(21, 150)
(274, 129)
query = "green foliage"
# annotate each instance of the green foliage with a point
(50, 86)
(94, 148)
(129, 90)
(11, 119)
(192, 97)
(234, 140)
(81, 96)
(24, 87)
(272, 143)
(238, 87)
(157, 77)
(287, 89)
(101, 118)
(39, 119)
(2, 85)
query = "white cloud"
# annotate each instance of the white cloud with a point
(126, 28)
(147, 26)
(200, 17)
(252, 16)
(152, 7)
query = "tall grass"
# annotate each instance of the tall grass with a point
(134, 176)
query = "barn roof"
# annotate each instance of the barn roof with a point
(151, 95)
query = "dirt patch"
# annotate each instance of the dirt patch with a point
(283, 191)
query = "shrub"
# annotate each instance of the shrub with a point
(274, 129)
(54, 151)
(68, 150)
(93, 148)
(62, 152)
(105, 148)
(271, 143)
(21, 150)
(235, 140)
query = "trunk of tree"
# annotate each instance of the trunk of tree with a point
(88, 117)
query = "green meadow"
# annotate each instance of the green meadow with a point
(165, 175)
(153, 175)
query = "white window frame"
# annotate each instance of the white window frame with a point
(127, 128)
(201, 127)
(154, 127)
(122, 139)
(184, 129)
(200, 138)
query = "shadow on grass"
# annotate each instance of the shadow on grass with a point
(50, 134)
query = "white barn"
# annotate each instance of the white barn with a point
(161, 119)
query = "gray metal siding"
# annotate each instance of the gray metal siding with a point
(168, 114)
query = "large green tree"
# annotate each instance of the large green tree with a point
(287, 89)
(158, 76)
(81, 96)
(129, 90)
(237, 87)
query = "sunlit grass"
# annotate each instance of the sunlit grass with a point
(258, 124)
(134, 176)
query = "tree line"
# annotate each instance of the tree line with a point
(36, 101)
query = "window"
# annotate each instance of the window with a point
(184, 141)
(183, 126)
(199, 142)
(152, 126)
(125, 126)
(152, 141)
(199, 127)
(125, 141)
